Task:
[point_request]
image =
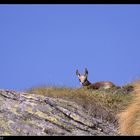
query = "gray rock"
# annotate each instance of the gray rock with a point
(31, 114)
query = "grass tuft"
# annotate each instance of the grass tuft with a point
(100, 103)
(129, 119)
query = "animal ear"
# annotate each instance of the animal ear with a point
(77, 73)
(86, 72)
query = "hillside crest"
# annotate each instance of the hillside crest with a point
(33, 114)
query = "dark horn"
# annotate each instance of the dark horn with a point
(86, 71)
(77, 73)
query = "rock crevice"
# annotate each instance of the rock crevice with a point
(30, 114)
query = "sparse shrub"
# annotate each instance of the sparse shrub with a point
(99, 103)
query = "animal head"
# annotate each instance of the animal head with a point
(82, 77)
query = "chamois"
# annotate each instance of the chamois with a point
(84, 81)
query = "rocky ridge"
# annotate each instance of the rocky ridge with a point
(30, 114)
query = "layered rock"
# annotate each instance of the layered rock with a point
(31, 114)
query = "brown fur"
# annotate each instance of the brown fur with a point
(129, 119)
(98, 85)
(84, 81)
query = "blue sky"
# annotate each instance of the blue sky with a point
(45, 44)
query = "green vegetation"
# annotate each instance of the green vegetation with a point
(105, 104)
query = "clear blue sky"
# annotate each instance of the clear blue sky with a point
(45, 44)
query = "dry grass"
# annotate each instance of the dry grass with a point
(99, 103)
(129, 119)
